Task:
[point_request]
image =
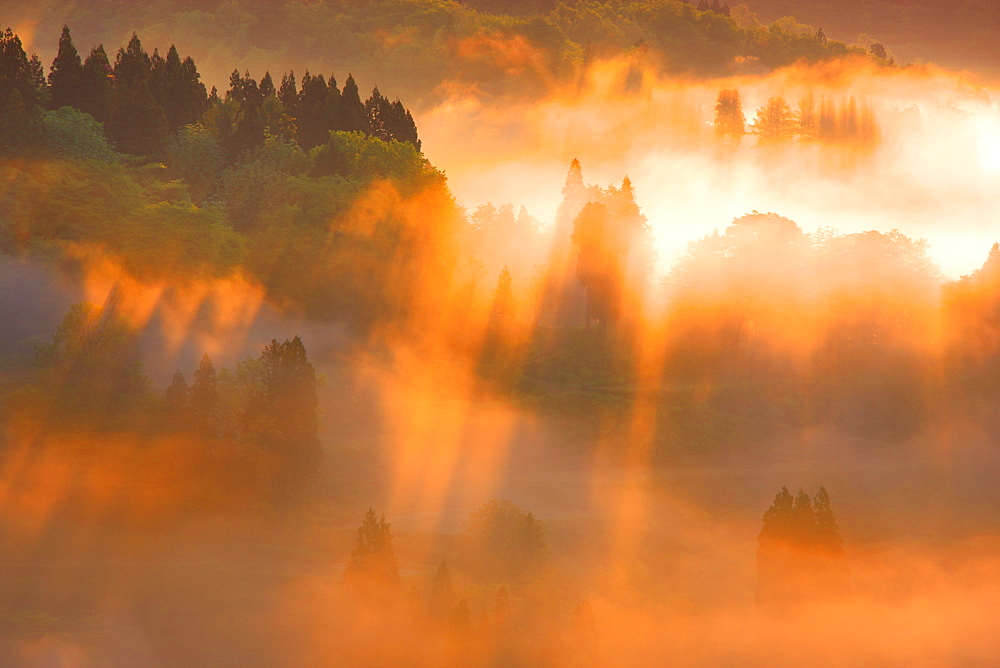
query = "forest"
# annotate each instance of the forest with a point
(273, 385)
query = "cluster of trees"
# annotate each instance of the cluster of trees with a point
(144, 99)
(953, 32)
(818, 326)
(502, 46)
(90, 377)
(846, 122)
(504, 544)
(268, 402)
(800, 551)
(237, 188)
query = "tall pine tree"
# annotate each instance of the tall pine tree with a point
(66, 79)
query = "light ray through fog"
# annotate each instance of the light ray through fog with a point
(933, 175)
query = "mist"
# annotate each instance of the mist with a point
(584, 381)
(930, 175)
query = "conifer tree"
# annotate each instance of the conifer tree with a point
(66, 79)
(729, 119)
(503, 298)
(313, 116)
(184, 98)
(266, 86)
(291, 404)
(203, 399)
(373, 559)
(288, 93)
(176, 400)
(378, 113)
(18, 72)
(137, 124)
(352, 117)
(95, 96)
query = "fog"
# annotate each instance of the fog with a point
(931, 175)
(647, 485)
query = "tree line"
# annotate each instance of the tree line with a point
(143, 99)
(90, 377)
(829, 121)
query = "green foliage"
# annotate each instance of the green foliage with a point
(365, 158)
(70, 133)
(196, 155)
(104, 203)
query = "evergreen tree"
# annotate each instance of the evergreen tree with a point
(137, 124)
(95, 95)
(503, 298)
(827, 531)
(291, 405)
(442, 597)
(775, 121)
(373, 559)
(176, 400)
(20, 124)
(729, 119)
(204, 400)
(288, 93)
(352, 117)
(183, 95)
(266, 86)
(378, 112)
(401, 125)
(66, 80)
(17, 72)
(313, 114)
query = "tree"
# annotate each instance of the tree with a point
(18, 72)
(203, 400)
(510, 541)
(71, 133)
(775, 121)
(196, 154)
(442, 596)
(352, 117)
(176, 400)
(183, 95)
(729, 119)
(503, 298)
(91, 369)
(137, 124)
(605, 232)
(373, 559)
(96, 93)
(313, 115)
(799, 550)
(66, 80)
(291, 404)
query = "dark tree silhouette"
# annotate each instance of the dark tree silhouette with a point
(95, 97)
(291, 404)
(352, 117)
(800, 552)
(137, 124)
(203, 400)
(66, 80)
(373, 559)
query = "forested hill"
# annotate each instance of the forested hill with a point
(955, 33)
(424, 49)
(129, 154)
